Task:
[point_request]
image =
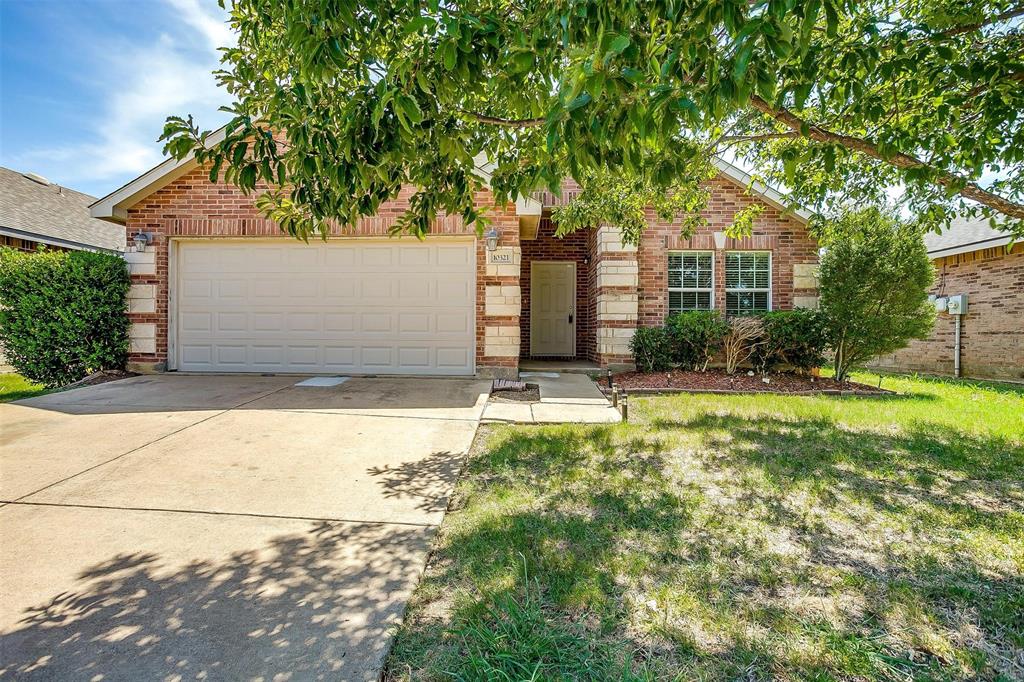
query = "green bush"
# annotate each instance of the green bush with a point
(63, 314)
(875, 276)
(695, 337)
(652, 349)
(791, 337)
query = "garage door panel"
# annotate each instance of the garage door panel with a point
(335, 307)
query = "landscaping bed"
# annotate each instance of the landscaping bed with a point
(715, 381)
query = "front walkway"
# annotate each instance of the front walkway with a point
(564, 397)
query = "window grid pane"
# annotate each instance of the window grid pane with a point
(690, 280)
(747, 282)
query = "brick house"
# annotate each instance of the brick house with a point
(220, 288)
(974, 259)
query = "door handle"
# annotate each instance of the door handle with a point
(570, 318)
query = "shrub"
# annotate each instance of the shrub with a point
(744, 338)
(875, 275)
(695, 337)
(791, 337)
(652, 349)
(63, 314)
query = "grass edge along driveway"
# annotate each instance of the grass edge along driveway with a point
(16, 387)
(725, 537)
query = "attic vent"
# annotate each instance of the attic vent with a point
(35, 177)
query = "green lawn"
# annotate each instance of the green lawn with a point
(16, 387)
(737, 537)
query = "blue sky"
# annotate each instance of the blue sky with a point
(85, 85)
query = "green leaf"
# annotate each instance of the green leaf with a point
(581, 101)
(619, 44)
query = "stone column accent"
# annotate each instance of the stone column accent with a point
(805, 285)
(142, 337)
(615, 284)
(499, 304)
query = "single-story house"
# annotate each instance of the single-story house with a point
(219, 288)
(981, 263)
(35, 212)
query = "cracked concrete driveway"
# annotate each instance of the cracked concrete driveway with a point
(221, 527)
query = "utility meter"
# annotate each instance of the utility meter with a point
(957, 305)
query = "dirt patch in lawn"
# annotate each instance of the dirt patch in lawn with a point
(718, 381)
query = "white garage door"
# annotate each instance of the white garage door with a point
(336, 307)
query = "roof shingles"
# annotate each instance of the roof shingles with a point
(53, 214)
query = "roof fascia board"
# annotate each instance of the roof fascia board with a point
(769, 194)
(114, 207)
(968, 248)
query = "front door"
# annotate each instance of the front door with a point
(553, 308)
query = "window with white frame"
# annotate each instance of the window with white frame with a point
(691, 278)
(748, 282)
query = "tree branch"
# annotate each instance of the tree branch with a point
(967, 28)
(505, 122)
(968, 190)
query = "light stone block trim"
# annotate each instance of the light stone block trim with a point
(619, 306)
(805, 276)
(142, 305)
(618, 273)
(810, 302)
(507, 269)
(614, 341)
(501, 342)
(143, 263)
(142, 337)
(142, 292)
(609, 240)
(503, 300)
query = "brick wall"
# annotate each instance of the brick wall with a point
(192, 206)
(547, 247)
(788, 240)
(992, 331)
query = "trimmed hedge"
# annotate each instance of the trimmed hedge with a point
(791, 337)
(63, 314)
(652, 349)
(787, 338)
(695, 337)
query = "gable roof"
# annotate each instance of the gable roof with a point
(36, 210)
(114, 206)
(963, 236)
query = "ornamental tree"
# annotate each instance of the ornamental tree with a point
(875, 276)
(337, 104)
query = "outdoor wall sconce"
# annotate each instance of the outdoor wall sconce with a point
(491, 239)
(140, 239)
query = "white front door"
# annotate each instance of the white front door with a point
(341, 306)
(552, 308)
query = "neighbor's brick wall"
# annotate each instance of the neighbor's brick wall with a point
(192, 206)
(787, 239)
(547, 247)
(992, 331)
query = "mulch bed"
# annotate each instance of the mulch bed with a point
(530, 395)
(716, 381)
(100, 377)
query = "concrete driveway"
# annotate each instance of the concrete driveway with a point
(221, 527)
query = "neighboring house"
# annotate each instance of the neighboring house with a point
(221, 289)
(972, 258)
(35, 212)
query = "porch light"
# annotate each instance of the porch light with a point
(491, 239)
(140, 239)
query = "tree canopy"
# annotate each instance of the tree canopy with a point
(338, 104)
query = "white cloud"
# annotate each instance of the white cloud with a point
(144, 83)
